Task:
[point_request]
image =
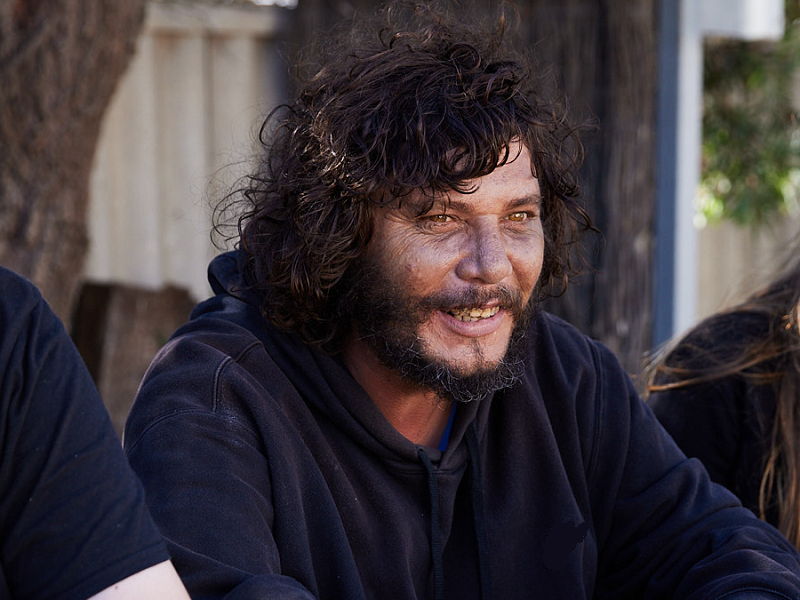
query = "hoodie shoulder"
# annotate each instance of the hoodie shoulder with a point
(571, 360)
(581, 382)
(196, 369)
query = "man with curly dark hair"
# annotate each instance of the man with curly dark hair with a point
(373, 405)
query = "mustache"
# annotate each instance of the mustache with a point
(506, 298)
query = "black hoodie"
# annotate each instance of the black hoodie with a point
(272, 474)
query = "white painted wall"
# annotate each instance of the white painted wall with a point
(743, 19)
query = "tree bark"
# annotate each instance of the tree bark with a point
(605, 53)
(60, 61)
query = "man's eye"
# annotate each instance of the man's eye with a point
(438, 218)
(519, 216)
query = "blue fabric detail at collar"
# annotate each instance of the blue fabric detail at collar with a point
(448, 428)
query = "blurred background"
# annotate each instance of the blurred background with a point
(121, 124)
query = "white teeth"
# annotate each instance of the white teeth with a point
(474, 314)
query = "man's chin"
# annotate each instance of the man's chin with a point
(465, 384)
(465, 367)
(467, 378)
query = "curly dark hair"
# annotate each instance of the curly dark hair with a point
(425, 106)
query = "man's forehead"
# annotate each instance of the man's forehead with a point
(514, 178)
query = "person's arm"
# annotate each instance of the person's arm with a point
(207, 478)
(159, 581)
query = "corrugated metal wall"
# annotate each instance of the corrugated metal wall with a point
(186, 114)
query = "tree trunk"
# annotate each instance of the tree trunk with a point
(59, 63)
(605, 53)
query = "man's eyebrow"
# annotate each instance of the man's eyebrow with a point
(523, 200)
(423, 206)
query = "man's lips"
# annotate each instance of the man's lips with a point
(462, 323)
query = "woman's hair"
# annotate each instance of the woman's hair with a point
(422, 106)
(768, 355)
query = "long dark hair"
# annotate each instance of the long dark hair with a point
(424, 106)
(767, 356)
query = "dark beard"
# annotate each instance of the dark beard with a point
(387, 319)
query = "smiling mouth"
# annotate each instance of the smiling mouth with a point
(474, 314)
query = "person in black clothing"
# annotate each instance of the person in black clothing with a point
(372, 405)
(73, 522)
(729, 393)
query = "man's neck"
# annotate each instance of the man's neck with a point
(418, 414)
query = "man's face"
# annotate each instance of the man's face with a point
(446, 288)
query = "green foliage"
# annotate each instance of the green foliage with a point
(751, 133)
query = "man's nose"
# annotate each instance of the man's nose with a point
(486, 258)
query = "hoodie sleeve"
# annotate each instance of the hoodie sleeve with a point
(665, 525)
(207, 478)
